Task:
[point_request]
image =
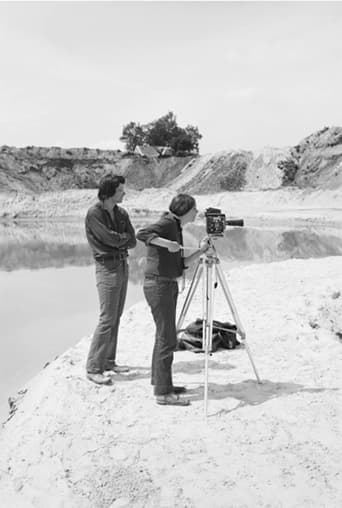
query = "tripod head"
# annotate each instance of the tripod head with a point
(210, 253)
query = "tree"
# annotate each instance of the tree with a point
(133, 134)
(194, 136)
(162, 132)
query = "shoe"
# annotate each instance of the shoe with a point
(119, 369)
(99, 379)
(109, 373)
(171, 399)
(179, 389)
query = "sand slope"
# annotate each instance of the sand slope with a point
(75, 445)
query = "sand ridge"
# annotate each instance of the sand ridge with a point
(278, 444)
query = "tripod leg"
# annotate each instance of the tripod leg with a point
(193, 286)
(207, 325)
(238, 323)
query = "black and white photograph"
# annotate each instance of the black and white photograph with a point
(170, 254)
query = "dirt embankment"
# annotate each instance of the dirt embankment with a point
(315, 163)
(39, 169)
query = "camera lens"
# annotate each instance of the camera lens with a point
(235, 222)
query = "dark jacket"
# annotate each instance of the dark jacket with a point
(109, 239)
(159, 261)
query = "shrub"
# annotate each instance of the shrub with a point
(289, 167)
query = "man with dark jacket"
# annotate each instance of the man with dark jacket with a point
(165, 263)
(110, 234)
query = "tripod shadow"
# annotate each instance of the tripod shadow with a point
(251, 393)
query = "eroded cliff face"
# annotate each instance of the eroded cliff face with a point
(233, 171)
(316, 162)
(39, 169)
(319, 159)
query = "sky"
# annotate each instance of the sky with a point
(247, 74)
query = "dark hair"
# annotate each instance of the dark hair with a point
(108, 185)
(181, 204)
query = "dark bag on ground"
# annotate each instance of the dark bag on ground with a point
(224, 336)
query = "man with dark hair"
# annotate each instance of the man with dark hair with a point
(165, 263)
(181, 204)
(110, 234)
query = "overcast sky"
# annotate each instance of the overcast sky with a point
(247, 74)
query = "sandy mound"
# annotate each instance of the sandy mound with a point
(73, 444)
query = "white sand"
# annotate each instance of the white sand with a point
(72, 444)
(281, 204)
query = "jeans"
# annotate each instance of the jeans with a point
(111, 282)
(161, 295)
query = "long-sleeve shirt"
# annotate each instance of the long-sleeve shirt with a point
(109, 238)
(159, 261)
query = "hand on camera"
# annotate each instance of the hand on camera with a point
(173, 246)
(204, 244)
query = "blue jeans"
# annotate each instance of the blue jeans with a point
(111, 282)
(161, 295)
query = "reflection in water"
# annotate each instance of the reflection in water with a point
(35, 254)
(51, 244)
(266, 245)
(299, 244)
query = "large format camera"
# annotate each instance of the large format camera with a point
(216, 222)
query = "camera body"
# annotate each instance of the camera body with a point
(216, 222)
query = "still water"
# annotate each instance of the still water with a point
(47, 284)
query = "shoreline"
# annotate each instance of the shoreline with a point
(276, 207)
(320, 217)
